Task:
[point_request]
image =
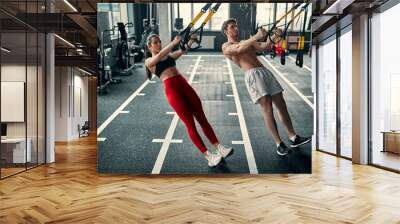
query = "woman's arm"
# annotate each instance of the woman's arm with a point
(177, 54)
(164, 52)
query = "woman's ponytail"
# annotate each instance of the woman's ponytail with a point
(148, 72)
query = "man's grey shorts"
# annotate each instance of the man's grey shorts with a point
(261, 82)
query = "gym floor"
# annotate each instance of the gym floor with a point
(140, 134)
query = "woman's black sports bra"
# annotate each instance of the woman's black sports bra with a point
(164, 64)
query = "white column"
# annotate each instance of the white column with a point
(360, 90)
(50, 98)
(314, 91)
(164, 27)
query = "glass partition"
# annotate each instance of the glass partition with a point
(327, 96)
(346, 94)
(22, 78)
(385, 89)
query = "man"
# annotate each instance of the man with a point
(263, 88)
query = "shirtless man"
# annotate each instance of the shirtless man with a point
(263, 87)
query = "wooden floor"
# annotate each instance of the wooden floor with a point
(70, 191)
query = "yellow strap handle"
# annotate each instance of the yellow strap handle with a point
(283, 43)
(288, 12)
(210, 14)
(301, 43)
(196, 18)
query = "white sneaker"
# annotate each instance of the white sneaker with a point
(213, 159)
(224, 151)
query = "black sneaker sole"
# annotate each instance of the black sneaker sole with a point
(229, 154)
(300, 144)
(215, 165)
(281, 154)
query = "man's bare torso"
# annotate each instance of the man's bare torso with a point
(246, 60)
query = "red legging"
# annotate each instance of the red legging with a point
(187, 104)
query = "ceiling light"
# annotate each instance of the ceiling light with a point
(338, 6)
(5, 50)
(70, 5)
(65, 41)
(84, 71)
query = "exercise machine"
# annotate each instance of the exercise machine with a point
(104, 74)
(124, 54)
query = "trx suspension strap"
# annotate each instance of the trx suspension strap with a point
(284, 34)
(275, 26)
(300, 47)
(187, 34)
(283, 39)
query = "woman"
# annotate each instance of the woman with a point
(182, 97)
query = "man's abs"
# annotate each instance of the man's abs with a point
(246, 61)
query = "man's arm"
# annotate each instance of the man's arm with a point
(244, 46)
(238, 48)
(262, 46)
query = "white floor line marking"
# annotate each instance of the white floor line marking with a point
(242, 123)
(304, 66)
(101, 139)
(195, 82)
(157, 140)
(309, 96)
(205, 55)
(237, 142)
(120, 108)
(168, 137)
(124, 112)
(152, 81)
(171, 112)
(233, 114)
(141, 94)
(229, 95)
(176, 141)
(227, 83)
(289, 83)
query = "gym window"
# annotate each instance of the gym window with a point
(119, 12)
(265, 14)
(187, 11)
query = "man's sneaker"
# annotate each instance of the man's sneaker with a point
(224, 151)
(213, 159)
(282, 149)
(298, 141)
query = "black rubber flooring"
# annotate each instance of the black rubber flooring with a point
(129, 148)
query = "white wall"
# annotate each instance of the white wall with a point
(14, 72)
(71, 93)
